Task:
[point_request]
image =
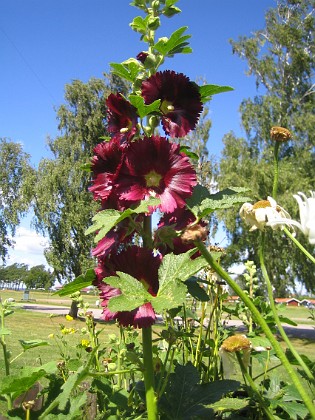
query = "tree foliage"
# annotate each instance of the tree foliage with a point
(15, 190)
(18, 275)
(281, 58)
(63, 206)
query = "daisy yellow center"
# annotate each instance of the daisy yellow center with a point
(152, 179)
(261, 204)
(166, 107)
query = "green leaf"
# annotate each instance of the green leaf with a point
(84, 280)
(295, 410)
(128, 70)
(171, 294)
(186, 399)
(180, 267)
(207, 91)
(30, 344)
(26, 378)
(188, 152)
(196, 290)
(106, 220)
(174, 270)
(202, 203)
(229, 404)
(133, 293)
(142, 109)
(286, 320)
(139, 24)
(175, 44)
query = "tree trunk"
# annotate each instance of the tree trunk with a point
(73, 312)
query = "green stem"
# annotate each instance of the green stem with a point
(298, 244)
(148, 374)
(275, 311)
(275, 169)
(252, 384)
(261, 321)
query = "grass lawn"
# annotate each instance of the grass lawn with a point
(43, 297)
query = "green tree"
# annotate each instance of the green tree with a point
(63, 206)
(281, 58)
(13, 276)
(15, 190)
(39, 278)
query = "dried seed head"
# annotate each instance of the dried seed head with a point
(194, 233)
(280, 134)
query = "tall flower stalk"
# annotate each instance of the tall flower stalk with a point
(264, 326)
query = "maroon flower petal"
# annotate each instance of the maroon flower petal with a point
(181, 103)
(141, 264)
(106, 164)
(165, 172)
(122, 117)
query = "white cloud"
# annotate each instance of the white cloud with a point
(29, 248)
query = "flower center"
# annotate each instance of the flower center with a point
(126, 129)
(152, 179)
(261, 204)
(166, 107)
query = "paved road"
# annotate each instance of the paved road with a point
(301, 331)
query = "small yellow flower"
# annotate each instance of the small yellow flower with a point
(85, 343)
(67, 331)
(51, 336)
(69, 318)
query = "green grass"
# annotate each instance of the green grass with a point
(26, 325)
(43, 297)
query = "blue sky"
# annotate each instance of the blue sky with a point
(47, 44)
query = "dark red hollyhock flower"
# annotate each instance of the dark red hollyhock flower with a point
(154, 166)
(106, 164)
(180, 101)
(119, 235)
(141, 264)
(122, 117)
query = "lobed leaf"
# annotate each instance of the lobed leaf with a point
(133, 293)
(202, 203)
(143, 109)
(175, 44)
